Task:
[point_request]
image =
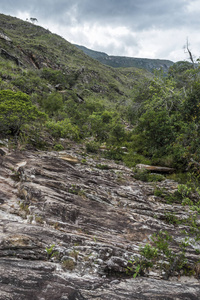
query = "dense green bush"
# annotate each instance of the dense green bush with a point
(52, 103)
(132, 158)
(92, 147)
(146, 176)
(63, 129)
(16, 110)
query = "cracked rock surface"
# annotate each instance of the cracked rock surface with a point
(68, 228)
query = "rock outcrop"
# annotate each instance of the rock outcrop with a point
(11, 57)
(68, 230)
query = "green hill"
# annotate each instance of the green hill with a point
(77, 93)
(34, 48)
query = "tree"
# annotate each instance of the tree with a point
(16, 110)
(52, 103)
(182, 73)
(33, 20)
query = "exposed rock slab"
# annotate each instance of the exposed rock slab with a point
(67, 231)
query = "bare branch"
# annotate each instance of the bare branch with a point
(189, 52)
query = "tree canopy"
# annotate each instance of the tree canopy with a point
(16, 110)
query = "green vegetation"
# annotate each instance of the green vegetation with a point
(50, 251)
(147, 258)
(66, 263)
(146, 176)
(165, 253)
(51, 94)
(166, 117)
(161, 256)
(49, 90)
(16, 110)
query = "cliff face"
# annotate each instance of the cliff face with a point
(70, 223)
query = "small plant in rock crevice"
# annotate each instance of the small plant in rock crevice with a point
(68, 264)
(58, 147)
(142, 263)
(171, 218)
(24, 208)
(74, 254)
(102, 167)
(160, 255)
(74, 189)
(50, 250)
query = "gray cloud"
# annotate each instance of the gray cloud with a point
(137, 16)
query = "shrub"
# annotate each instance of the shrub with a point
(52, 103)
(50, 250)
(145, 176)
(16, 110)
(58, 147)
(115, 153)
(132, 159)
(159, 255)
(63, 129)
(92, 147)
(139, 265)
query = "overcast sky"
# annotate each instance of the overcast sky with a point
(136, 28)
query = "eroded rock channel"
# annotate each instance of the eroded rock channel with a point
(70, 228)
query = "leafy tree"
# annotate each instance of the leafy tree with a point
(16, 110)
(52, 103)
(63, 129)
(183, 73)
(105, 126)
(59, 77)
(191, 106)
(156, 129)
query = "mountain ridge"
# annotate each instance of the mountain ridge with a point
(125, 61)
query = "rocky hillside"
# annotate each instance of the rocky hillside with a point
(75, 224)
(34, 48)
(72, 224)
(127, 62)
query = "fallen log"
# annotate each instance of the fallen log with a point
(157, 169)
